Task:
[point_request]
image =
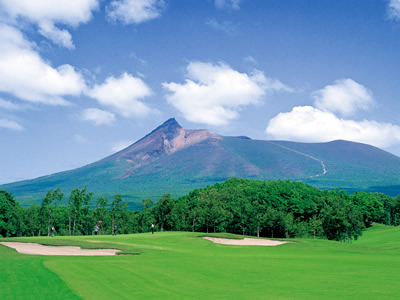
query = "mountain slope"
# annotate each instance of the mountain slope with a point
(174, 160)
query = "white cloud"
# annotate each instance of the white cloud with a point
(59, 37)
(227, 4)
(39, 82)
(98, 116)
(46, 13)
(122, 95)
(345, 96)
(8, 105)
(394, 9)
(214, 93)
(134, 11)
(7, 124)
(309, 124)
(120, 145)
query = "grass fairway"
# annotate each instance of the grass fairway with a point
(175, 265)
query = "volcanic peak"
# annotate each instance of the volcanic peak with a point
(166, 139)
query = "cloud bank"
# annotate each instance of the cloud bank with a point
(46, 13)
(215, 93)
(309, 124)
(39, 82)
(321, 124)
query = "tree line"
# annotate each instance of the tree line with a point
(249, 207)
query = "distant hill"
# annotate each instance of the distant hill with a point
(175, 160)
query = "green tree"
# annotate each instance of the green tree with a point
(162, 212)
(259, 213)
(33, 219)
(101, 213)
(370, 205)
(217, 214)
(354, 222)
(146, 218)
(7, 202)
(316, 224)
(76, 200)
(16, 224)
(87, 214)
(287, 222)
(47, 207)
(116, 210)
(180, 215)
(272, 218)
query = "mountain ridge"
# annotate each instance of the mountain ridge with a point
(171, 159)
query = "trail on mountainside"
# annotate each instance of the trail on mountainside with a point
(306, 155)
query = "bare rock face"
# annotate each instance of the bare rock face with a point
(166, 139)
(186, 138)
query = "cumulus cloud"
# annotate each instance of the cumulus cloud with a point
(227, 4)
(214, 93)
(46, 13)
(98, 116)
(134, 11)
(123, 95)
(345, 96)
(7, 124)
(309, 124)
(394, 9)
(39, 82)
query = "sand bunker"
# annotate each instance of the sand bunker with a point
(37, 249)
(245, 242)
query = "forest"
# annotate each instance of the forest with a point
(276, 209)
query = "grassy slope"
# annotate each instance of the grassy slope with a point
(350, 166)
(361, 167)
(26, 277)
(180, 265)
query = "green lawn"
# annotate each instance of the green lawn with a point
(175, 265)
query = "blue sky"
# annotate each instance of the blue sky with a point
(81, 79)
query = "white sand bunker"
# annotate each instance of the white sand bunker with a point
(245, 242)
(37, 249)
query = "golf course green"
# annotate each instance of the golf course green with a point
(181, 265)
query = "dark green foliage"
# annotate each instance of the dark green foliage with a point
(7, 204)
(277, 209)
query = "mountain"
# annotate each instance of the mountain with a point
(175, 160)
